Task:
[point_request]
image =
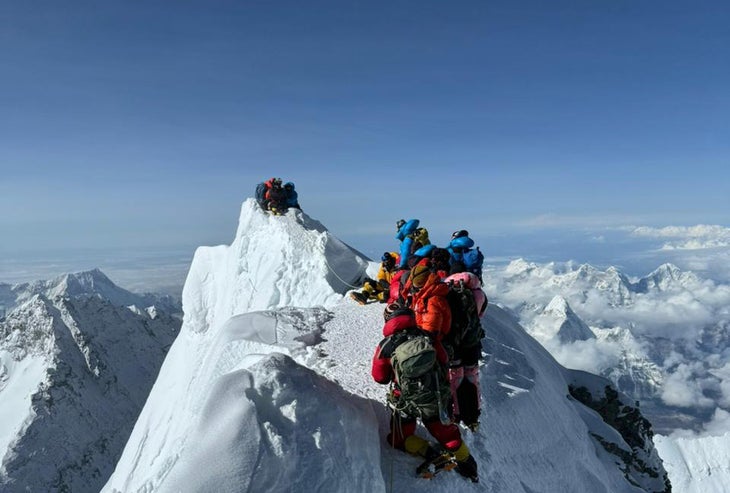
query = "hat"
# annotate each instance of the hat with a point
(419, 275)
(459, 234)
(386, 256)
(399, 223)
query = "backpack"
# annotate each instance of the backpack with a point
(261, 194)
(422, 381)
(466, 329)
(473, 261)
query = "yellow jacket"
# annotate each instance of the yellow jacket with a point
(386, 274)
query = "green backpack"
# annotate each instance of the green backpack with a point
(422, 380)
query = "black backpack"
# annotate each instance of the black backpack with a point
(422, 379)
(466, 329)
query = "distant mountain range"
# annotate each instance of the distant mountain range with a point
(641, 333)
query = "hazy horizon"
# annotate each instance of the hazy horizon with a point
(164, 269)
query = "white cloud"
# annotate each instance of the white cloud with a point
(723, 373)
(684, 388)
(699, 237)
(681, 309)
(720, 423)
(592, 355)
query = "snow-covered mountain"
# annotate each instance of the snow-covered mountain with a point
(88, 283)
(268, 388)
(559, 321)
(78, 356)
(659, 338)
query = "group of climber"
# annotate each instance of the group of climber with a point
(458, 256)
(432, 343)
(276, 198)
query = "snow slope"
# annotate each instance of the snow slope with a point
(267, 388)
(697, 464)
(75, 370)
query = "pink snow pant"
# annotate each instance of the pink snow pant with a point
(457, 376)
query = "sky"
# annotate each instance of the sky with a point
(129, 127)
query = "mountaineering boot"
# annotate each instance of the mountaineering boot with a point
(436, 461)
(468, 468)
(465, 463)
(359, 297)
(371, 284)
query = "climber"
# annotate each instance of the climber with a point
(420, 394)
(378, 289)
(425, 293)
(275, 197)
(412, 238)
(291, 195)
(463, 344)
(463, 257)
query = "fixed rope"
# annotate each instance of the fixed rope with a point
(338, 277)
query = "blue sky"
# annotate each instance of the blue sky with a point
(143, 125)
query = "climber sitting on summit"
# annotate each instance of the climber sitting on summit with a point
(275, 198)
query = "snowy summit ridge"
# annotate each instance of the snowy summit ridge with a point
(255, 395)
(274, 261)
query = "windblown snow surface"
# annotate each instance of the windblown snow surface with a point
(698, 464)
(268, 388)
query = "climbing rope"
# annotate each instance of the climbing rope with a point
(338, 277)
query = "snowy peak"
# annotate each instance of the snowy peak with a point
(519, 267)
(558, 307)
(274, 261)
(83, 284)
(92, 282)
(665, 277)
(559, 320)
